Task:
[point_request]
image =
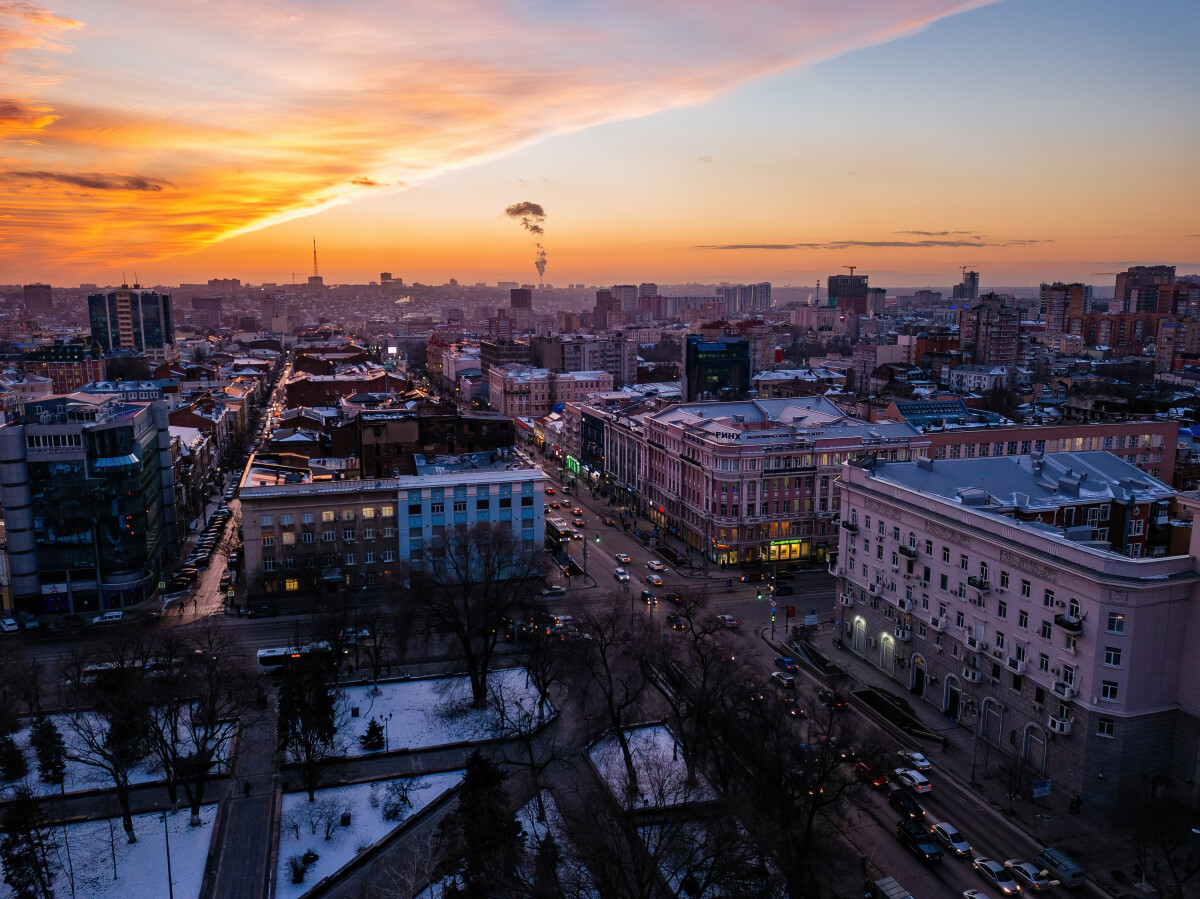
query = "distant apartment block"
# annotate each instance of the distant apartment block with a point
(68, 366)
(520, 391)
(134, 319)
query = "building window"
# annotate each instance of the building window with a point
(268, 564)
(1022, 618)
(347, 514)
(368, 512)
(1106, 727)
(1043, 662)
(1135, 528)
(1116, 623)
(963, 563)
(369, 556)
(944, 582)
(460, 505)
(389, 555)
(387, 512)
(307, 537)
(266, 521)
(328, 516)
(1068, 675)
(1025, 589)
(1003, 580)
(1112, 656)
(291, 584)
(1002, 609)
(999, 639)
(1048, 599)
(1046, 630)
(268, 540)
(348, 534)
(286, 518)
(306, 517)
(1108, 690)
(414, 509)
(929, 547)
(349, 558)
(946, 554)
(289, 538)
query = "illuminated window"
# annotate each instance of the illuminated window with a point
(291, 584)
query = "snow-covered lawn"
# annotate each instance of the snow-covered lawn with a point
(141, 867)
(434, 711)
(79, 776)
(713, 858)
(366, 804)
(658, 761)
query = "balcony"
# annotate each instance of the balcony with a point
(1017, 666)
(978, 583)
(907, 551)
(1069, 623)
(938, 623)
(850, 526)
(902, 633)
(847, 599)
(1061, 726)
(1065, 690)
(906, 605)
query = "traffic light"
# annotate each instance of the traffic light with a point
(597, 538)
(759, 593)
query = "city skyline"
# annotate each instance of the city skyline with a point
(670, 142)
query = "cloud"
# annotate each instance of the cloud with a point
(260, 112)
(704, 158)
(937, 233)
(847, 244)
(93, 181)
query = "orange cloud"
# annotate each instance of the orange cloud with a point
(190, 123)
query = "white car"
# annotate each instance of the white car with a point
(655, 565)
(997, 875)
(622, 575)
(914, 780)
(1029, 875)
(915, 759)
(784, 679)
(947, 834)
(654, 580)
(622, 558)
(8, 625)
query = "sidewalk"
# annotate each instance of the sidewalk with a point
(1087, 836)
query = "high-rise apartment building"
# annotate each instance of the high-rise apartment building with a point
(626, 297)
(133, 318)
(207, 312)
(602, 316)
(713, 367)
(1136, 287)
(38, 298)
(745, 298)
(990, 331)
(968, 288)
(520, 298)
(1061, 301)
(849, 292)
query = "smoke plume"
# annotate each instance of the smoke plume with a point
(531, 216)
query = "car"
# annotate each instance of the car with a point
(575, 535)
(8, 625)
(919, 843)
(676, 622)
(550, 491)
(649, 598)
(556, 505)
(1029, 875)
(832, 700)
(947, 834)
(915, 760)
(865, 771)
(727, 621)
(914, 780)
(791, 706)
(545, 507)
(654, 580)
(622, 558)
(672, 597)
(786, 664)
(112, 617)
(611, 522)
(843, 752)
(997, 875)
(554, 590)
(655, 565)
(577, 511)
(784, 679)
(578, 522)
(621, 575)
(903, 802)
(30, 621)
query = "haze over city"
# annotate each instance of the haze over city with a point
(697, 141)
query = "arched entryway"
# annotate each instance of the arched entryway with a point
(918, 676)
(887, 653)
(1035, 748)
(860, 635)
(952, 698)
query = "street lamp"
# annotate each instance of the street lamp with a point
(386, 742)
(167, 838)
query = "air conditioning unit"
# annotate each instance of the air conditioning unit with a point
(1058, 725)
(902, 633)
(977, 645)
(874, 588)
(1065, 690)
(906, 605)
(971, 676)
(938, 623)
(1016, 665)
(847, 599)
(997, 653)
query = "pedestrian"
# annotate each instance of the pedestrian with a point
(246, 789)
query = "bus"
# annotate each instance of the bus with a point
(558, 533)
(272, 661)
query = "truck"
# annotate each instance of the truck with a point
(886, 888)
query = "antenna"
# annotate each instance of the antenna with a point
(316, 274)
(852, 268)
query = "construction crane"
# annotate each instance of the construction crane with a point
(852, 268)
(963, 269)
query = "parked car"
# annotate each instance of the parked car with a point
(784, 679)
(8, 625)
(919, 843)
(947, 834)
(113, 617)
(915, 760)
(997, 875)
(622, 558)
(903, 802)
(30, 621)
(554, 590)
(914, 780)
(655, 565)
(621, 575)
(866, 772)
(1028, 875)
(786, 664)
(654, 580)
(727, 621)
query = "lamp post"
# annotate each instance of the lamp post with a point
(386, 741)
(167, 838)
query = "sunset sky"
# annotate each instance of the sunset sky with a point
(667, 140)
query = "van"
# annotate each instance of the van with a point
(113, 617)
(1065, 869)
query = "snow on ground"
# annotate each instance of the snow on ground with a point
(712, 858)
(78, 775)
(141, 867)
(572, 874)
(433, 711)
(658, 761)
(366, 803)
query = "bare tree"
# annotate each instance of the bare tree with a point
(308, 721)
(474, 577)
(1165, 845)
